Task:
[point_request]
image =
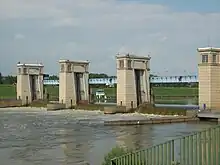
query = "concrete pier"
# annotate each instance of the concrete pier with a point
(73, 87)
(133, 86)
(29, 82)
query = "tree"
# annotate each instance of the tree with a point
(0, 78)
(152, 75)
(9, 79)
(53, 77)
(98, 75)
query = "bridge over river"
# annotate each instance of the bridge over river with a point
(35, 136)
(154, 80)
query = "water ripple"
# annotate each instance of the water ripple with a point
(68, 137)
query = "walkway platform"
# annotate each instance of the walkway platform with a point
(209, 115)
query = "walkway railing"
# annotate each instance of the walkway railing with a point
(163, 79)
(200, 148)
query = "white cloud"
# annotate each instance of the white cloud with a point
(65, 22)
(164, 38)
(98, 29)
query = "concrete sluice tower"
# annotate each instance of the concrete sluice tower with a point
(209, 78)
(133, 86)
(29, 82)
(73, 82)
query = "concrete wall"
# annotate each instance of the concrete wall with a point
(67, 89)
(55, 106)
(126, 91)
(23, 90)
(10, 103)
(126, 84)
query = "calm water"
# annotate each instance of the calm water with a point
(69, 137)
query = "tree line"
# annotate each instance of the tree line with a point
(13, 79)
(7, 79)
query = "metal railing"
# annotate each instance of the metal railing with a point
(160, 79)
(200, 148)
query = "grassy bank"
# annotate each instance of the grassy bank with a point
(163, 95)
(7, 91)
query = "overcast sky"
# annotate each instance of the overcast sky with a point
(95, 30)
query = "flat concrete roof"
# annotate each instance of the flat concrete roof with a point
(207, 49)
(68, 61)
(30, 65)
(131, 56)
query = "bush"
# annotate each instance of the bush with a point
(150, 109)
(115, 152)
(119, 151)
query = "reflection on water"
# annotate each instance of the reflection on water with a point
(58, 138)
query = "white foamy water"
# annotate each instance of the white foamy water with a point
(83, 115)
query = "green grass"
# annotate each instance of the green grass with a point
(163, 91)
(53, 91)
(175, 91)
(182, 101)
(7, 91)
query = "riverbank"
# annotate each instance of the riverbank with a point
(157, 109)
(23, 109)
(107, 119)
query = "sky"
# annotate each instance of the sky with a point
(45, 31)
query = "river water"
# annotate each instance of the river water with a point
(38, 137)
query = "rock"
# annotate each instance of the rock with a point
(110, 110)
(55, 106)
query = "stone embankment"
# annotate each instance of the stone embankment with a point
(10, 103)
(55, 106)
(158, 120)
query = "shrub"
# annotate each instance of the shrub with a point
(119, 151)
(150, 109)
(115, 152)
